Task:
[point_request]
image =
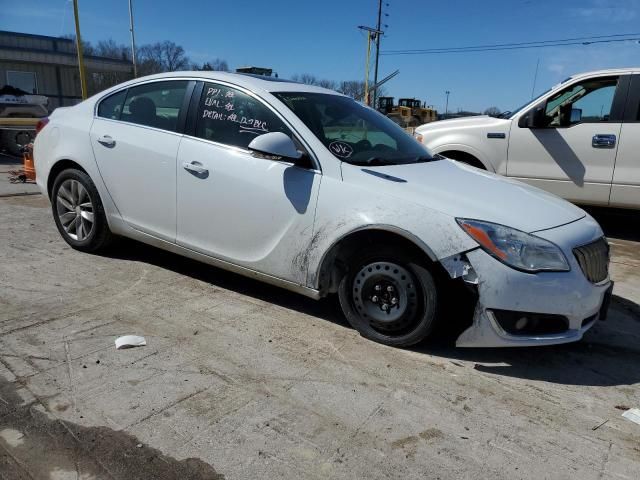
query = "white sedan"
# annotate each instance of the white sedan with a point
(307, 189)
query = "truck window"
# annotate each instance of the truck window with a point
(589, 101)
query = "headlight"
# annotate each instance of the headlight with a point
(517, 249)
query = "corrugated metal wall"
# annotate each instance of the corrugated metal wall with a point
(60, 82)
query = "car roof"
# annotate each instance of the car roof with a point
(249, 81)
(608, 71)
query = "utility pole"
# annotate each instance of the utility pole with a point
(133, 41)
(372, 33)
(446, 108)
(375, 73)
(83, 77)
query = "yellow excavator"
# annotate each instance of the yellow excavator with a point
(408, 113)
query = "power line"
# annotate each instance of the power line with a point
(613, 35)
(518, 46)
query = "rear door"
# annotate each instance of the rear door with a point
(574, 154)
(135, 139)
(253, 212)
(625, 191)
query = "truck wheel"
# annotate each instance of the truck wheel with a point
(464, 158)
(389, 298)
(78, 211)
(14, 140)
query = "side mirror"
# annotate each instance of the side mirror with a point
(534, 118)
(276, 146)
(576, 115)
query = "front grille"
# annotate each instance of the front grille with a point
(594, 260)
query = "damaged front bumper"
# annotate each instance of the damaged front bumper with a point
(516, 309)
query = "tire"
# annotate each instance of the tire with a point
(410, 314)
(78, 212)
(15, 140)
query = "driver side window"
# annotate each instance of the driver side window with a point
(589, 101)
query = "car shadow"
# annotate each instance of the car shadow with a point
(608, 355)
(617, 223)
(9, 160)
(127, 249)
(562, 153)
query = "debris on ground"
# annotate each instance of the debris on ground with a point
(130, 341)
(632, 414)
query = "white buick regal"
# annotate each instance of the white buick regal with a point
(307, 189)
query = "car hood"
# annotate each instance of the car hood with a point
(475, 121)
(460, 190)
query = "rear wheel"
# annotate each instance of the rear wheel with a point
(78, 211)
(389, 297)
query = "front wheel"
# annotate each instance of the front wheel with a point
(389, 298)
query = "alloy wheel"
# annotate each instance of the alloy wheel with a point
(75, 210)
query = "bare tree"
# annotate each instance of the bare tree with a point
(110, 49)
(352, 88)
(330, 84)
(492, 111)
(305, 78)
(162, 57)
(217, 65)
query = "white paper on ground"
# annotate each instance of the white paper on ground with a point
(129, 341)
(632, 414)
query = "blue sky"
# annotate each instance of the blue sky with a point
(321, 38)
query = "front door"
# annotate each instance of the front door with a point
(573, 153)
(252, 212)
(625, 191)
(135, 140)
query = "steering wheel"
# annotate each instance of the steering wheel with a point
(363, 145)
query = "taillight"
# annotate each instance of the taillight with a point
(41, 124)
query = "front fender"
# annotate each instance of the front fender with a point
(341, 211)
(460, 147)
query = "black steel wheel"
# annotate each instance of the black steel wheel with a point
(389, 297)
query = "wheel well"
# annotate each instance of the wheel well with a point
(464, 157)
(336, 262)
(57, 168)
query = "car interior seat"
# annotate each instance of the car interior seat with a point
(143, 111)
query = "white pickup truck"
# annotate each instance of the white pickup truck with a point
(580, 140)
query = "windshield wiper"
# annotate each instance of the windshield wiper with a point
(374, 161)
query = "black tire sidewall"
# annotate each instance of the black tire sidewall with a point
(97, 237)
(428, 296)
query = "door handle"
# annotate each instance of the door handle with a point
(107, 141)
(195, 167)
(603, 141)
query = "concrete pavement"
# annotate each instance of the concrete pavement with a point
(248, 381)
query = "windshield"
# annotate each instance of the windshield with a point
(511, 113)
(352, 132)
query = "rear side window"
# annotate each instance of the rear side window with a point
(156, 104)
(111, 107)
(229, 116)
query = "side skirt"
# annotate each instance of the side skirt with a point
(215, 262)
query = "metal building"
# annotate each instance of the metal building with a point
(48, 66)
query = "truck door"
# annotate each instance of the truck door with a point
(625, 191)
(571, 149)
